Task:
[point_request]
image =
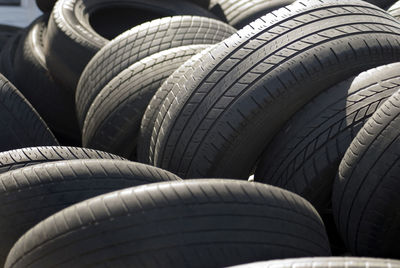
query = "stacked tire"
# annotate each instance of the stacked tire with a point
(303, 99)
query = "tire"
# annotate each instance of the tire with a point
(140, 42)
(305, 155)
(217, 127)
(20, 125)
(113, 120)
(34, 193)
(197, 223)
(7, 56)
(240, 13)
(337, 262)
(365, 195)
(21, 158)
(150, 115)
(79, 28)
(55, 104)
(382, 3)
(46, 5)
(395, 10)
(7, 32)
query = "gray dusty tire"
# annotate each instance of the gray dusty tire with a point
(366, 192)
(337, 262)
(31, 194)
(21, 158)
(394, 10)
(140, 42)
(305, 154)
(239, 13)
(20, 125)
(195, 223)
(113, 121)
(54, 103)
(149, 118)
(77, 29)
(230, 107)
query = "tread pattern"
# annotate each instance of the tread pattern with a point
(196, 223)
(240, 13)
(20, 158)
(365, 197)
(113, 120)
(32, 194)
(213, 123)
(139, 43)
(145, 152)
(337, 262)
(305, 154)
(20, 125)
(395, 10)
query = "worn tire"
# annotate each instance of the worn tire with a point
(395, 10)
(113, 121)
(239, 13)
(7, 56)
(365, 196)
(337, 262)
(72, 40)
(140, 42)
(20, 125)
(230, 106)
(7, 32)
(195, 223)
(21, 158)
(151, 113)
(32, 194)
(305, 154)
(55, 104)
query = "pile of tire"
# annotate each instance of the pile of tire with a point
(201, 133)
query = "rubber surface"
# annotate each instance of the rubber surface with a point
(337, 262)
(305, 155)
(195, 223)
(246, 88)
(30, 195)
(113, 120)
(20, 125)
(365, 196)
(7, 56)
(55, 104)
(20, 158)
(79, 28)
(140, 42)
(394, 10)
(239, 13)
(46, 5)
(7, 32)
(149, 118)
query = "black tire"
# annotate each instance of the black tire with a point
(246, 88)
(305, 154)
(46, 5)
(55, 104)
(382, 3)
(20, 125)
(239, 13)
(366, 193)
(79, 28)
(113, 121)
(337, 262)
(7, 56)
(140, 42)
(21, 158)
(150, 115)
(7, 32)
(34, 193)
(197, 223)
(395, 10)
